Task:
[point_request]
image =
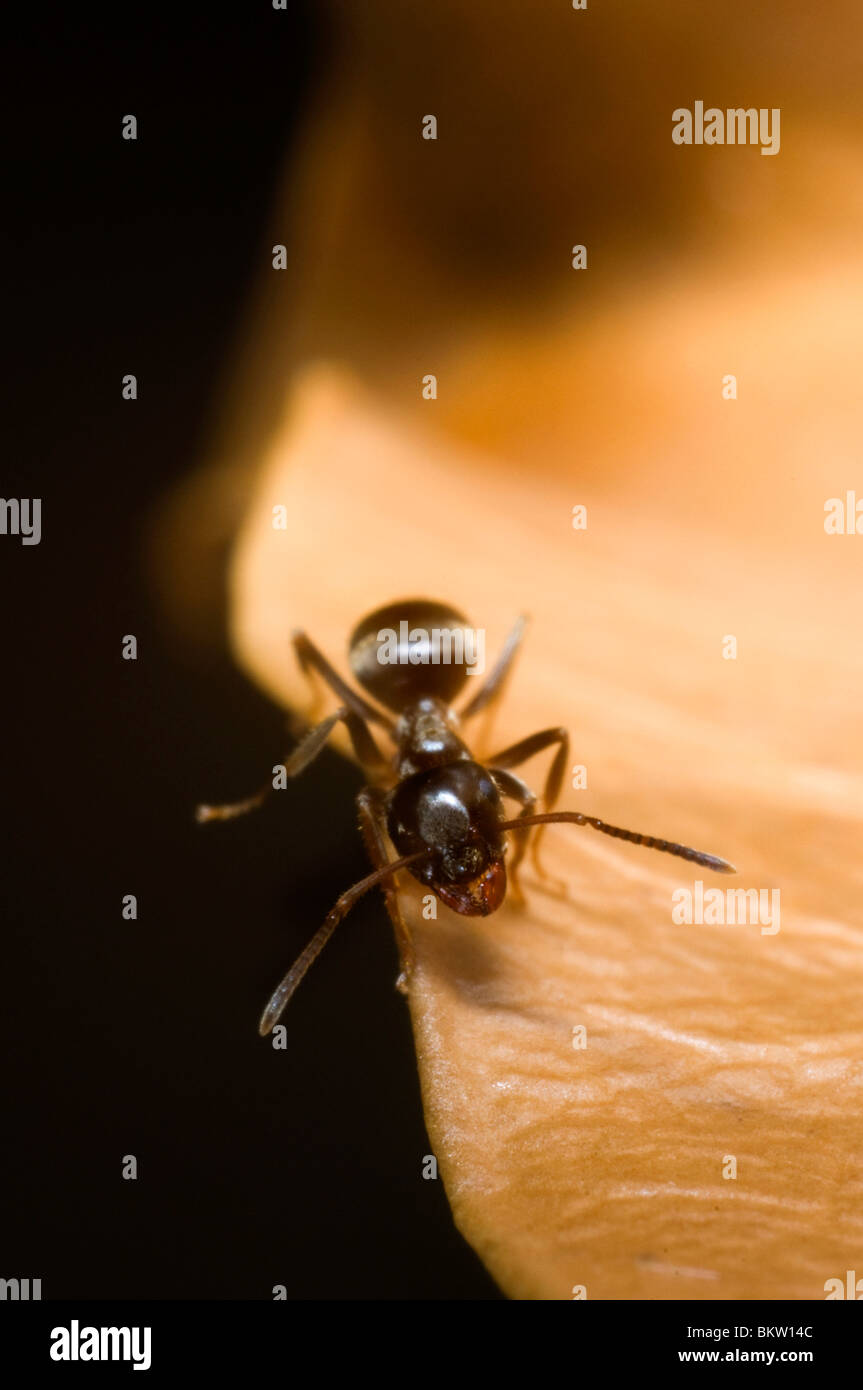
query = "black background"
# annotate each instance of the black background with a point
(255, 1167)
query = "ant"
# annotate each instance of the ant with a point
(440, 808)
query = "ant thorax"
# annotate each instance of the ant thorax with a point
(426, 736)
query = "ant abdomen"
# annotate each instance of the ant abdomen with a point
(411, 649)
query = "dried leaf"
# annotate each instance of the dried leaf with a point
(602, 1166)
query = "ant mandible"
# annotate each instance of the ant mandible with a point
(440, 808)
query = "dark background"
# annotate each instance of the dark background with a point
(255, 1167)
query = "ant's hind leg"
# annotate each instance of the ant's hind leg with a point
(495, 683)
(373, 827)
(311, 660)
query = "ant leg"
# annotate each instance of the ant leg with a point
(281, 996)
(519, 753)
(311, 659)
(493, 686)
(305, 752)
(354, 712)
(373, 827)
(509, 785)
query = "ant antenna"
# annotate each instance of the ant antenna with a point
(697, 856)
(282, 995)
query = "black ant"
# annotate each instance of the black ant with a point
(442, 810)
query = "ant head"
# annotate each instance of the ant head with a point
(453, 814)
(411, 649)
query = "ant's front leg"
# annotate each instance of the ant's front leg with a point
(370, 803)
(305, 752)
(519, 753)
(509, 785)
